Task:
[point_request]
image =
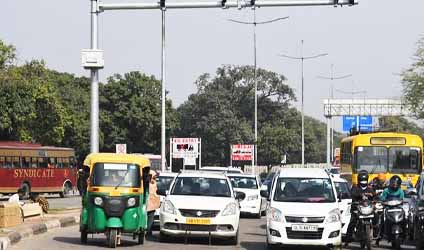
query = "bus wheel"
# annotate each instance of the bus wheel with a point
(67, 189)
(24, 191)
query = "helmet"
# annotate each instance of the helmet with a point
(395, 182)
(363, 179)
(381, 177)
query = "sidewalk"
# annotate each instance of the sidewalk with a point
(38, 225)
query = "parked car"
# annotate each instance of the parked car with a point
(417, 213)
(201, 204)
(303, 209)
(230, 170)
(164, 181)
(254, 204)
(345, 201)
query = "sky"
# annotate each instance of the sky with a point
(374, 41)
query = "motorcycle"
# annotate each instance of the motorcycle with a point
(394, 222)
(364, 224)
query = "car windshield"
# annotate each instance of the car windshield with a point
(244, 182)
(304, 190)
(404, 160)
(334, 170)
(343, 188)
(116, 174)
(201, 186)
(371, 159)
(164, 182)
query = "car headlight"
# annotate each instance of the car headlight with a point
(333, 216)
(276, 214)
(252, 197)
(168, 207)
(230, 209)
(131, 202)
(98, 201)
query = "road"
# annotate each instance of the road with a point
(252, 237)
(57, 203)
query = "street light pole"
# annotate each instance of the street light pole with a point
(94, 76)
(163, 133)
(330, 142)
(302, 58)
(254, 23)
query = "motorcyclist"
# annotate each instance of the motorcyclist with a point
(379, 182)
(393, 191)
(359, 193)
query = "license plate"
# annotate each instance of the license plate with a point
(304, 228)
(198, 221)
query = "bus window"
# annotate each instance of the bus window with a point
(72, 162)
(404, 159)
(26, 162)
(372, 159)
(42, 162)
(34, 162)
(2, 162)
(59, 163)
(65, 162)
(52, 162)
(8, 162)
(16, 163)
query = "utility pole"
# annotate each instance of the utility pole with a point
(330, 144)
(163, 72)
(302, 58)
(254, 23)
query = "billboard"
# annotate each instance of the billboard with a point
(185, 147)
(362, 123)
(242, 152)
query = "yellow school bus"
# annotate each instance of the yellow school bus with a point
(390, 153)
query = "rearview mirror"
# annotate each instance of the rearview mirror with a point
(240, 196)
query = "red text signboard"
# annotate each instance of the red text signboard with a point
(242, 152)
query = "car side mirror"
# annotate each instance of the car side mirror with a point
(240, 196)
(265, 193)
(162, 192)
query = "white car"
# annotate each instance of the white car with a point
(230, 170)
(164, 181)
(345, 201)
(303, 209)
(201, 204)
(254, 203)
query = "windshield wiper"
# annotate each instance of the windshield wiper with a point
(122, 179)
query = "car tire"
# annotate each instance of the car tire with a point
(235, 240)
(66, 190)
(163, 237)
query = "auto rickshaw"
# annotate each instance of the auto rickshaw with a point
(115, 197)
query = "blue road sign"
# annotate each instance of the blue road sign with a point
(349, 122)
(364, 123)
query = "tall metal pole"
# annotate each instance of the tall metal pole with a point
(330, 146)
(328, 139)
(256, 91)
(303, 114)
(94, 75)
(163, 133)
(254, 23)
(302, 58)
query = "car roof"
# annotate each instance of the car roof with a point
(207, 174)
(241, 175)
(168, 174)
(223, 169)
(303, 173)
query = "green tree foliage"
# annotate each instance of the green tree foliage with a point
(131, 113)
(222, 113)
(413, 82)
(7, 55)
(400, 124)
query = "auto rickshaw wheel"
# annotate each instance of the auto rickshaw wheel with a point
(83, 236)
(141, 237)
(112, 237)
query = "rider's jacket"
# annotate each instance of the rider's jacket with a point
(388, 194)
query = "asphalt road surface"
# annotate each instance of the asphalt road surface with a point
(55, 202)
(252, 237)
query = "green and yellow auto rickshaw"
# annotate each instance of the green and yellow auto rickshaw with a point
(115, 197)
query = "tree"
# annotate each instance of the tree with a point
(413, 82)
(7, 55)
(130, 110)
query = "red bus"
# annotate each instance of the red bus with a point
(33, 169)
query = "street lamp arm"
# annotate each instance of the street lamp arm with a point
(241, 22)
(334, 78)
(273, 20)
(315, 56)
(351, 92)
(290, 57)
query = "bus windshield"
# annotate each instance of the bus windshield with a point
(404, 160)
(116, 174)
(371, 159)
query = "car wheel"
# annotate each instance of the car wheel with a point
(235, 240)
(163, 237)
